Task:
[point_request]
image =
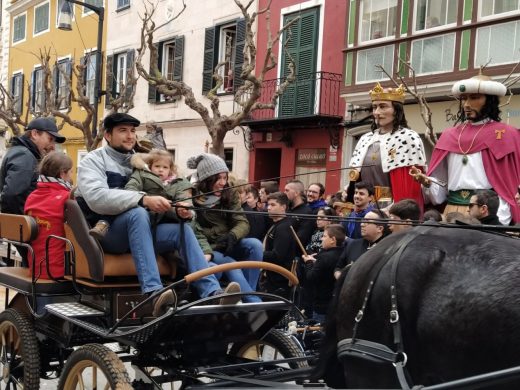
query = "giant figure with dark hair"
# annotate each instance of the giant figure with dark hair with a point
(479, 153)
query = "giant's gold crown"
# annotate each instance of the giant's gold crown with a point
(392, 94)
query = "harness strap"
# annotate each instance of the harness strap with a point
(375, 352)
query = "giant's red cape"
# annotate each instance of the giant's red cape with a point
(499, 145)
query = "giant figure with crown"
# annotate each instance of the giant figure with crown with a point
(479, 153)
(384, 156)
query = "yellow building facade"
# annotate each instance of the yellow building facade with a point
(34, 29)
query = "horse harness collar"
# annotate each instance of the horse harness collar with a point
(376, 352)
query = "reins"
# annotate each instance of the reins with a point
(376, 352)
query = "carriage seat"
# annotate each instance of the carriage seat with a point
(24, 229)
(91, 262)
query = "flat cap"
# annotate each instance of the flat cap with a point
(48, 125)
(120, 118)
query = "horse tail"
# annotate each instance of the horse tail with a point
(328, 366)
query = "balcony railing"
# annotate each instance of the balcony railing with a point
(314, 94)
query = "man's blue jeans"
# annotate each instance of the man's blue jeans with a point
(131, 231)
(249, 249)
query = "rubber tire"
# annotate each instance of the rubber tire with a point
(28, 349)
(278, 340)
(98, 355)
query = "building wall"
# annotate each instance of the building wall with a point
(24, 56)
(184, 131)
(305, 137)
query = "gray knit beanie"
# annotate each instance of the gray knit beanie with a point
(207, 165)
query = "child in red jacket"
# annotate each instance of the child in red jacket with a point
(46, 205)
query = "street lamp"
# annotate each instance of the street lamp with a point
(65, 23)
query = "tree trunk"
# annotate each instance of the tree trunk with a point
(217, 145)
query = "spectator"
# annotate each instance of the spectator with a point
(406, 211)
(433, 215)
(517, 196)
(226, 232)
(315, 194)
(19, 173)
(314, 246)
(19, 169)
(54, 182)
(319, 269)
(266, 188)
(372, 231)
(483, 206)
(303, 226)
(479, 153)
(258, 222)
(102, 174)
(363, 198)
(279, 245)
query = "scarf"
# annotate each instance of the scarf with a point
(49, 179)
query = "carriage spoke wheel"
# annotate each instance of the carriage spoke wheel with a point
(19, 355)
(94, 366)
(274, 346)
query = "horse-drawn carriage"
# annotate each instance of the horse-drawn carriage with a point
(88, 327)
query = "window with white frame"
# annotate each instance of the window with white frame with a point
(41, 18)
(228, 157)
(435, 13)
(378, 19)
(121, 4)
(228, 36)
(492, 48)
(63, 81)
(17, 92)
(19, 23)
(168, 65)
(96, 3)
(38, 90)
(368, 59)
(58, 10)
(90, 75)
(121, 71)
(490, 8)
(432, 55)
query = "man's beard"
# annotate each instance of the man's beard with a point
(120, 149)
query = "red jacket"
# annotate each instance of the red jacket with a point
(46, 205)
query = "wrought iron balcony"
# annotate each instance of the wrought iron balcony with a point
(310, 95)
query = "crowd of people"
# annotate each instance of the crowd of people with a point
(138, 203)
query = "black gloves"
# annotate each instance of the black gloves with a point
(225, 243)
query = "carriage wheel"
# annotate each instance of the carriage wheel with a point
(94, 366)
(275, 345)
(19, 355)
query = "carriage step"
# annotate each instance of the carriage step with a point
(72, 309)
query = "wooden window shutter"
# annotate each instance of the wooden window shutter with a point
(109, 81)
(153, 95)
(178, 58)
(33, 89)
(209, 60)
(130, 54)
(239, 53)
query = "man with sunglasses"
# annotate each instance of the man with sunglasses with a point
(483, 205)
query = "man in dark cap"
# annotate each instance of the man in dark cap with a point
(18, 173)
(102, 176)
(19, 170)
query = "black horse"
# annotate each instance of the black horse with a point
(457, 297)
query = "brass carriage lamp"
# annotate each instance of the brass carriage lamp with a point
(65, 23)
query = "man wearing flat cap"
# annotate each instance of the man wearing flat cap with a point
(19, 173)
(102, 176)
(480, 153)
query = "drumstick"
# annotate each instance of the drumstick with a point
(298, 241)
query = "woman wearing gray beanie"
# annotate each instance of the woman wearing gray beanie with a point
(222, 235)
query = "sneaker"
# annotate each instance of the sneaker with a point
(100, 230)
(163, 302)
(231, 288)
